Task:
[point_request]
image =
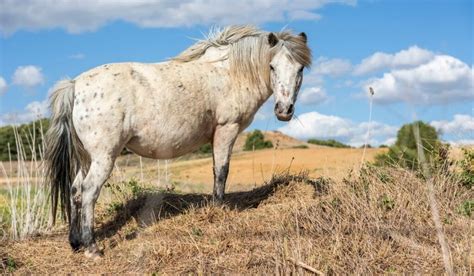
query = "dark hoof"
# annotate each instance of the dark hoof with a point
(218, 200)
(75, 243)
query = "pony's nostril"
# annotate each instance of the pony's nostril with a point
(278, 107)
(290, 109)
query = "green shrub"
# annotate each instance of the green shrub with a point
(10, 264)
(204, 149)
(300, 147)
(256, 140)
(386, 203)
(114, 207)
(329, 143)
(404, 151)
(467, 168)
(466, 208)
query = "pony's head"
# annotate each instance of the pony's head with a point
(261, 60)
(290, 55)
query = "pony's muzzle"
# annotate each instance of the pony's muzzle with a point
(284, 112)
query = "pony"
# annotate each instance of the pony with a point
(208, 93)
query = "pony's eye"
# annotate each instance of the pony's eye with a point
(301, 70)
(271, 68)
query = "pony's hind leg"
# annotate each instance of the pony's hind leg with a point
(75, 223)
(99, 171)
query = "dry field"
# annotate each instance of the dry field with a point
(247, 169)
(332, 219)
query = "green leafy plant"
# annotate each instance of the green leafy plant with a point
(114, 207)
(256, 140)
(467, 168)
(135, 188)
(466, 208)
(10, 264)
(386, 203)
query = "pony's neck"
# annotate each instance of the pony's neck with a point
(263, 93)
(252, 98)
(257, 92)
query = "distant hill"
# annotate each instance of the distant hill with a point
(278, 139)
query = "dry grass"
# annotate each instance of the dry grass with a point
(379, 222)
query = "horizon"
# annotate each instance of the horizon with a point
(418, 57)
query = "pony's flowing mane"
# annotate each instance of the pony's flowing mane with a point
(249, 53)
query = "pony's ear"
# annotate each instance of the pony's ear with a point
(303, 37)
(272, 39)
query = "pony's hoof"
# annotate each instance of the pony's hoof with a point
(75, 245)
(218, 200)
(92, 252)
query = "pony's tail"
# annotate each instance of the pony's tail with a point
(62, 151)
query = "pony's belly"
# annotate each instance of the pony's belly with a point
(166, 147)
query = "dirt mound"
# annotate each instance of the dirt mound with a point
(378, 222)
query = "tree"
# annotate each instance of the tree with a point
(404, 151)
(29, 138)
(256, 140)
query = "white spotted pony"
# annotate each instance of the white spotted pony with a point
(209, 93)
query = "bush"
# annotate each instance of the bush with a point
(467, 168)
(204, 149)
(329, 143)
(255, 140)
(300, 147)
(404, 151)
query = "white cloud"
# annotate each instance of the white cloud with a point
(312, 96)
(88, 15)
(3, 86)
(33, 111)
(303, 15)
(312, 78)
(379, 134)
(442, 80)
(461, 125)
(410, 57)
(389, 141)
(317, 125)
(28, 76)
(331, 67)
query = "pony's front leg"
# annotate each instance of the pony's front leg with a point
(99, 171)
(224, 138)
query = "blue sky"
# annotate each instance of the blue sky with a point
(417, 55)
